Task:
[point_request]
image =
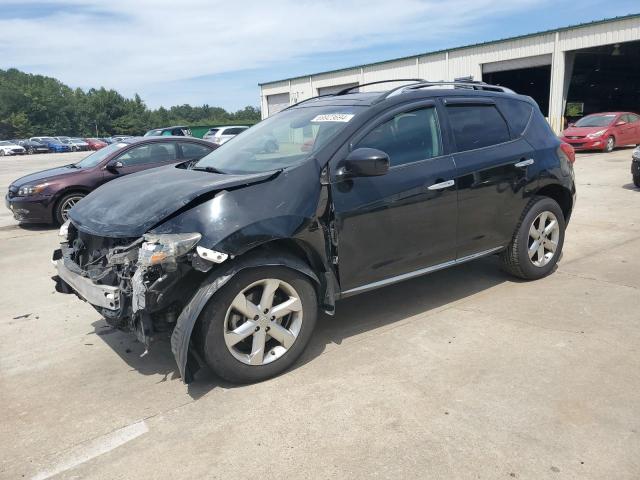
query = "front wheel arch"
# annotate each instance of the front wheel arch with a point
(181, 342)
(61, 195)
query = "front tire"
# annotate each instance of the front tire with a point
(65, 204)
(258, 324)
(636, 180)
(537, 243)
(610, 145)
(30, 150)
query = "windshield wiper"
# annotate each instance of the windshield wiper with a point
(208, 169)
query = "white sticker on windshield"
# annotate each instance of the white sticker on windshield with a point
(333, 117)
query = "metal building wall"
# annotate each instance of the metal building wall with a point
(465, 61)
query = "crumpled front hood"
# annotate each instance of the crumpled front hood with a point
(44, 175)
(130, 206)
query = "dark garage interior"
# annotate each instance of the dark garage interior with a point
(533, 81)
(604, 79)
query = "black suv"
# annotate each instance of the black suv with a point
(235, 254)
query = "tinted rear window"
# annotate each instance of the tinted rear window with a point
(517, 113)
(477, 126)
(233, 131)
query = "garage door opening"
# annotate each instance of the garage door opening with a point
(335, 88)
(604, 79)
(532, 81)
(277, 103)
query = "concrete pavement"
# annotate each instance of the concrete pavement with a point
(466, 373)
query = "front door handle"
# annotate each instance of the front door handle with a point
(524, 163)
(441, 185)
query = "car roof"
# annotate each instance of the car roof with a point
(373, 98)
(172, 138)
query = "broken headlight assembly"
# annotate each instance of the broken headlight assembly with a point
(165, 249)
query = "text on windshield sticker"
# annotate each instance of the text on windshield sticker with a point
(333, 117)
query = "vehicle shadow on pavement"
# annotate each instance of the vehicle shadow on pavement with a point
(354, 316)
(386, 306)
(631, 186)
(30, 227)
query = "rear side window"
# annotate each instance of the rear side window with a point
(477, 126)
(408, 137)
(517, 114)
(194, 150)
(633, 118)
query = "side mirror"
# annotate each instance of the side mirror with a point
(620, 123)
(113, 166)
(571, 125)
(365, 162)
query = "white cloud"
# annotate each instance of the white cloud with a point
(131, 45)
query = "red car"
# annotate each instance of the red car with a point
(603, 131)
(95, 144)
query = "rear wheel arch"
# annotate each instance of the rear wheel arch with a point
(562, 197)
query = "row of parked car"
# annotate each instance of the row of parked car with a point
(216, 135)
(30, 146)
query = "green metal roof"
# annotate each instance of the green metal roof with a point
(490, 42)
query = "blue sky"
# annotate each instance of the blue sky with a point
(216, 52)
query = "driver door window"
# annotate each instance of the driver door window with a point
(149, 154)
(408, 137)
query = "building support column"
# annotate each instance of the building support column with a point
(559, 87)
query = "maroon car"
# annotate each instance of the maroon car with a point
(48, 195)
(603, 131)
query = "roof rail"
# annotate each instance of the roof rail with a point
(307, 100)
(348, 89)
(470, 84)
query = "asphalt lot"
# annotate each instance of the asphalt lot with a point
(465, 373)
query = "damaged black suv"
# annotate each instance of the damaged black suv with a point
(235, 254)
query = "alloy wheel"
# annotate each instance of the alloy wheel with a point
(67, 205)
(544, 235)
(611, 142)
(263, 322)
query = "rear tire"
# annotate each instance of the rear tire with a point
(239, 348)
(610, 145)
(537, 243)
(30, 150)
(636, 180)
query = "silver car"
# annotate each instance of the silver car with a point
(220, 135)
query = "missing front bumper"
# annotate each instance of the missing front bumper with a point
(104, 296)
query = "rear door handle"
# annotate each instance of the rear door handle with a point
(524, 163)
(441, 185)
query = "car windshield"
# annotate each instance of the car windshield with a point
(99, 155)
(595, 121)
(5, 143)
(280, 141)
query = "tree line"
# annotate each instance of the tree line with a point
(32, 105)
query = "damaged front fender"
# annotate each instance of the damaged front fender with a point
(187, 362)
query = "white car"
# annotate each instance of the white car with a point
(77, 144)
(8, 148)
(220, 135)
